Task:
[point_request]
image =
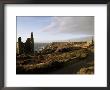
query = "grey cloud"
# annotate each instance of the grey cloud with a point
(72, 25)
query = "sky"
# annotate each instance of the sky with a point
(54, 28)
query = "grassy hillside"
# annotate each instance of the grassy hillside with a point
(55, 57)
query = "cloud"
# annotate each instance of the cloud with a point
(71, 25)
(49, 28)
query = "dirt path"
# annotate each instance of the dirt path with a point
(74, 68)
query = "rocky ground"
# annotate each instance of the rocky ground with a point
(58, 58)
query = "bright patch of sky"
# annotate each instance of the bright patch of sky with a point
(54, 28)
